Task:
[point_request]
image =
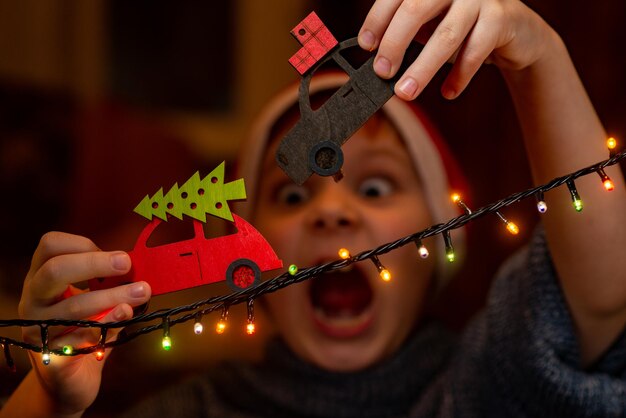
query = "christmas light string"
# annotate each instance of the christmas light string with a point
(196, 311)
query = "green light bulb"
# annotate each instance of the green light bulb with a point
(578, 205)
(293, 269)
(68, 350)
(166, 343)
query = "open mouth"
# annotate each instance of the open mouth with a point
(341, 302)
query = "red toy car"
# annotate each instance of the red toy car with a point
(238, 258)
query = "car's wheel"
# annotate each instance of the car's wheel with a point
(242, 274)
(326, 158)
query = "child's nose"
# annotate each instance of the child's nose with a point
(333, 209)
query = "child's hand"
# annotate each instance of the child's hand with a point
(561, 130)
(59, 261)
(468, 32)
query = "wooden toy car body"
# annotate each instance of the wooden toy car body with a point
(238, 258)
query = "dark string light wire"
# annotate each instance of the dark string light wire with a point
(166, 318)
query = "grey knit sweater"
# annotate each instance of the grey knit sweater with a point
(519, 358)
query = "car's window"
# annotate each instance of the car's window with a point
(355, 56)
(217, 227)
(175, 230)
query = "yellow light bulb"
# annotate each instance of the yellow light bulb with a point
(382, 271)
(456, 198)
(221, 327)
(344, 253)
(513, 229)
(611, 143)
(250, 328)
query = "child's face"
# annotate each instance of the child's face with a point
(348, 320)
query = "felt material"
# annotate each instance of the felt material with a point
(238, 258)
(316, 41)
(338, 118)
(195, 198)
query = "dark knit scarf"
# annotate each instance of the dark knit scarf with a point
(520, 357)
(284, 386)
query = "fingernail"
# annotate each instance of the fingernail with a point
(120, 261)
(408, 87)
(448, 93)
(367, 40)
(137, 290)
(119, 313)
(382, 66)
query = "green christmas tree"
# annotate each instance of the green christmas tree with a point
(195, 198)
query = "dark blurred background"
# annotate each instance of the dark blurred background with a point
(102, 102)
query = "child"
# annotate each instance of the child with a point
(550, 342)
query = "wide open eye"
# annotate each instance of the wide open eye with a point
(292, 194)
(374, 187)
